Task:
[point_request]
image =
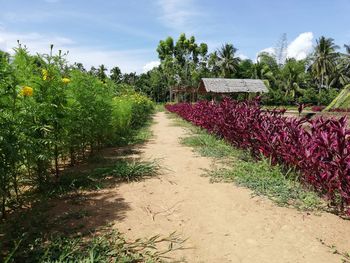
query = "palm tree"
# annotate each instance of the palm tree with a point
(79, 66)
(101, 72)
(263, 72)
(342, 76)
(213, 63)
(347, 48)
(324, 60)
(293, 77)
(227, 60)
(347, 60)
(116, 75)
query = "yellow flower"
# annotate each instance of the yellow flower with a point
(45, 74)
(26, 91)
(65, 80)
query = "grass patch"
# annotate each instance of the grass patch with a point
(264, 179)
(269, 181)
(177, 121)
(143, 134)
(110, 247)
(159, 107)
(136, 136)
(208, 145)
(121, 170)
(37, 234)
(287, 107)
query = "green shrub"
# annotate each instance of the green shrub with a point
(50, 113)
(130, 112)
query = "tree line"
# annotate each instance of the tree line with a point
(317, 79)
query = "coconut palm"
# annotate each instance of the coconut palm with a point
(341, 75)
(116, 75)
(347, 48)
(262, 71)
(324, 60)
(227, 60)
(293, 77)
(101, 72)
(213, 63)
(347, 60)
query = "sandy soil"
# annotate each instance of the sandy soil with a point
(223, 223)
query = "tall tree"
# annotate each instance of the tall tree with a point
(101, 72)
(281, 49)
(116, 75)
(324, 61)
(293, 77)
(227, 60)
(346, 64)
(182, 63)
(79, 66)
(213, 64)
(130, 78)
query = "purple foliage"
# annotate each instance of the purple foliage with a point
(339, 110)
(318, 148)
(318, 108)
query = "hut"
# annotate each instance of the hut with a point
(180, 93)
(221, 86)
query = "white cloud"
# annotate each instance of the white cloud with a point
(132, 60)
(177, 14)
(34, 41)
(242, 56)
(269, 50)
(150, 65)
(300, 47)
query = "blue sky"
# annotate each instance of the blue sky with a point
(126, 33)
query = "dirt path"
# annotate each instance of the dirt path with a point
(223, 222)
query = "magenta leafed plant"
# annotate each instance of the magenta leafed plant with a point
(340, 110)
(318, 108)
(318, 148)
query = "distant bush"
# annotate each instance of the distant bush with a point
(306, 96)
(130, 112)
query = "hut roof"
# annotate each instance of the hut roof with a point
(220, 85)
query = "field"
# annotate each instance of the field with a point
(96, 166)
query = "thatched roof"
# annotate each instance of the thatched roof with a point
(219, 85)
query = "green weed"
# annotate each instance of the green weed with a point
(208, 145)
(121, 170)
(240, 168)
(269, 181)
(110, 247)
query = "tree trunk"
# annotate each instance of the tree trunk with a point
(72, 156)
(170, 94)
(56, 163)
(3, 208)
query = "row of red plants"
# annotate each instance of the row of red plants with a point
(319, 149)
(321, 108)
